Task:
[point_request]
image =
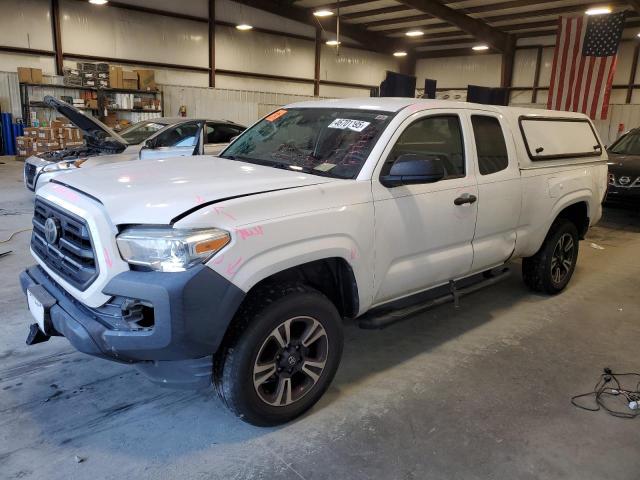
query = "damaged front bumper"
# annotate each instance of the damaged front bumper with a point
(167, 324)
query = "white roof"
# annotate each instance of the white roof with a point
(395, 104)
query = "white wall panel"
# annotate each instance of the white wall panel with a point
(520, 97)
(9, 62)
(26, 24)
(332, 91)
(119, 33)
(546, 64)
(355, 66)
(623, 64)
(260, 85)
(249, 51)
(237, 105)
(196, 8)
(524, 67)
(10, 94)
(458, 72)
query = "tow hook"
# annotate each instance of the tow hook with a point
(36, 335)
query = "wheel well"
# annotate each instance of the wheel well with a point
(578, 215)
(331, 276)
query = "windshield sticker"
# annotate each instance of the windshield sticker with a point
(275, 115)
(324, 167)
(382, 117)
(355, 125)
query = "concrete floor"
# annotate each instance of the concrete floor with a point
(475, 393)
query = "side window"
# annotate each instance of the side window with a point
(220, 133)
(490, 145)
(184, 135)
(438, 136)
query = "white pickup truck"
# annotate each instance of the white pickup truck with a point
(237, 270)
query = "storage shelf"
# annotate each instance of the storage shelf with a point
(102, 98)
(133, 110)
(92, 89)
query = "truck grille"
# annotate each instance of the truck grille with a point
(29, 174)
(69, 252)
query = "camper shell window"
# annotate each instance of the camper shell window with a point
(551, 138)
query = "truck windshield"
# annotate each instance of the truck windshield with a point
(321, 141)
(628, 144)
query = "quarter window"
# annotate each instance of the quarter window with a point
(437, 136)
(490, 144)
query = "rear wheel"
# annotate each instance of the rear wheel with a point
(551, 268)
(281, 356)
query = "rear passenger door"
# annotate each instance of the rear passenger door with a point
(499, 190)
(180, 141)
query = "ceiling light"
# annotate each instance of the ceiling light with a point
(323, 13)
(639, 34)
(414, 33)
(98, 2)
(399, 54)
(244, 26)
(598, 11)
(333, 43)
(479, 48)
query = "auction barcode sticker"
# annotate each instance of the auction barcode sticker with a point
(355, 125)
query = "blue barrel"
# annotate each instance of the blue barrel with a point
(7, 134)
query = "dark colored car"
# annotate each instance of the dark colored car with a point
(624, 168)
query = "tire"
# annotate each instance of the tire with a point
(246, 374)
(540, 272)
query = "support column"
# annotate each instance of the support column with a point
(506, 74)
(212, 43)
(316, 73)
(536, 76)
(632, 74)
(57, 38)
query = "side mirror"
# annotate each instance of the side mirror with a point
(411, 169)
(233, 139)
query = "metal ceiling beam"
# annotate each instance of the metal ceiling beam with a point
(284, 8)
(479, 29)
(494, 7)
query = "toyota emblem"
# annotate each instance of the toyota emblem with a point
(51, 230)
(624, 180)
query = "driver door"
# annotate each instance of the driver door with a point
(424, 239)
(180, 141)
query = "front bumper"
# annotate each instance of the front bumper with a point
(191, 313)
(628, 194)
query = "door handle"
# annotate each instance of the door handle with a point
(465, 198)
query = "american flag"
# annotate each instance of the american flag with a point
(584, 62)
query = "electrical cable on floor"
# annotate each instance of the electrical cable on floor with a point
(15, 233)
(608, 391)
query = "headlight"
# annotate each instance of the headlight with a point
(168, 249)
(64, 165)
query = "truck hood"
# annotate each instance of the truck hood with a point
(97, 134)
(161, 191)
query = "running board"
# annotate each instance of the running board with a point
(388, 317)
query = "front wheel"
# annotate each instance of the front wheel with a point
(551, 268)
(281, 356)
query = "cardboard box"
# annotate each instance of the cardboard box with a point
(31, 131)
(24, 142)
(129, 80)
(115, 76)
(24, 153)
(91, 103)
(24, 75)
(46, 134)
(47, 146)
(146, 79)
(36, 75)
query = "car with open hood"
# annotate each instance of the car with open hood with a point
(624, 168)
(236, 271)
(160, 137)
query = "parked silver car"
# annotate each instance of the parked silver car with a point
(150, 139)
